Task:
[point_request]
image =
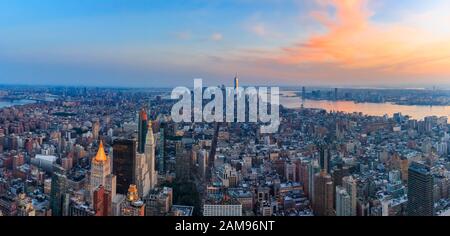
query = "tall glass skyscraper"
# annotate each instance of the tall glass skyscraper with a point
(142, 130)
(58, 189)
(161, 147)
(124, 161)
(420, 190)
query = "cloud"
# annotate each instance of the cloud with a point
(259, 29)
(216, 37)
(183, 35)
(353, 41)
(264, 30)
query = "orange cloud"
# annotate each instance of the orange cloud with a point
(353, 41)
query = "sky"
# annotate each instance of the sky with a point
(166, 43)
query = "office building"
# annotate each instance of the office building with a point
(142, 130)
(323, 194)
(161, 147)
(58, 189)
(100, 170)
(420, 190)
(142, 174)
(343, 202)
(349, 184)
(325, 158)
(102, 202)
(150, 156)
(124, 162)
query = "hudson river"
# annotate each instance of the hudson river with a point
(15, 103)
(289, 100)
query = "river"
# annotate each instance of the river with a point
(290, 100)
(15, 103)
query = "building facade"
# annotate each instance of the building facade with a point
(124, 162)
(420, 190)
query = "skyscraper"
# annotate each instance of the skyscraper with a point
(349, 184)
(58, 189)
(202, 162)
(143, 178)
(303, 175)
(124, 158)
(343, 202)
(325, 158)
(420, 190)
(303, 93)
(142, 130)
(183, 160)
(102, 201)
(95, 129)
(236, 82)
(150, 156)
(337, 175)
(323, 194)
(100, 170)
(313, 169)
(161, 147)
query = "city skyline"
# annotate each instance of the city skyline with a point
(115, 152)
(361, 43)
(242, 109)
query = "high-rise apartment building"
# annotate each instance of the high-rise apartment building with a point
(343, 202)
(349, 184)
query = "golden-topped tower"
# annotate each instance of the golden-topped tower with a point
(101, 155)
(100, 170)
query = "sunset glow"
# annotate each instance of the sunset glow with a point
(292, 42)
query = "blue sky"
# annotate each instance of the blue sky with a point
(168, 43)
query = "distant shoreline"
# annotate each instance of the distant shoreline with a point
(11, 103)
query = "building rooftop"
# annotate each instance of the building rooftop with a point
(49, 158)
(180, 210)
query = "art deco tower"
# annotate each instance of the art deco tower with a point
(100, 171)
(150, 155)
(143, 178)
